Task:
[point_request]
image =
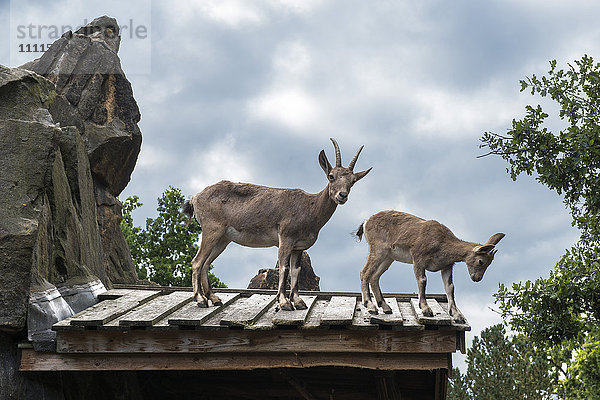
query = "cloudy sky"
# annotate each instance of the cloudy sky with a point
(252, 90)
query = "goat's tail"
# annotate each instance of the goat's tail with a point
(187, 209)
(359, 232)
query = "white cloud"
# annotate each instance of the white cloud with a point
(229, 13)
(291, 107)
(301, 7)
(292, 60)
(220, 161)
(153, 158)
(456, 114)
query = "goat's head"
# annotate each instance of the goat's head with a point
(481, 257)
(340, 178)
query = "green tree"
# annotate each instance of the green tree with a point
(561, 314)
(164, 249)
(502, 367)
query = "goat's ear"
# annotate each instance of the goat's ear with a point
(494, 239)
(362, 174)
(324, 162)
(486, 248)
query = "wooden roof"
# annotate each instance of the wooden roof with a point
(163, 328)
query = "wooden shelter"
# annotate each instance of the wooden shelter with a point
(248, 348)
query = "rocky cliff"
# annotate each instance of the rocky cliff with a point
(69, 141)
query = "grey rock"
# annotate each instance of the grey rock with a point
(93, 94)
(68, 144)
(25, 96)
(268, 278)
(27, 152)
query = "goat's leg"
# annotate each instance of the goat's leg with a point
(457, 316)
(195, 271)
(196, 281)
(422, 283)
(283, 259)
(385, 264)
(210, 237)
(216, 251)
(374, 259)
(295, 267)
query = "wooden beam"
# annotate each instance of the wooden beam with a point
(247, 311)
(440, 317)
(339, 311)
(325, 294)
(313, 319)
(362, 318)
(295, 317)
(395, 318)
(113, 294)
(155, 310)
(107, 310)
(409, 317)
(192, 315)
(265, 322)
(39, 361)
(270, 341)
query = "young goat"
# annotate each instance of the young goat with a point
(428, 245)
(259, 216)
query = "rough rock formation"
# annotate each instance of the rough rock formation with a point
(68, 143)
(93, 94)
(268, 278)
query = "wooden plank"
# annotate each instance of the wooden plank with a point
(250, 341)
(461, 342)
(296, 317)
(362, 318)
(339, 311)
(440, 317)
(192, 315)
(245, 312)
(154, 310)
(32, 361)
(400, 296)
(409, 317)
(108, 310)
(65, 325)
(114, 294)
(214, 322)
(313, 318)
(455, 325)
(265, 322)
(395, 318)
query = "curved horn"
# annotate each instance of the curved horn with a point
(351, 165)
(338, 155)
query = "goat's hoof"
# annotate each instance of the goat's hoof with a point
(385, 307)
(373, 312)
(202, 304)
(428, 313)
(287, 307)
(217, 303)
(300, 305)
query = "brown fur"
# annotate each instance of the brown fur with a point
(259, 216)
(428, 245)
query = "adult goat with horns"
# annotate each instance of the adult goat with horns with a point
(259, 216)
